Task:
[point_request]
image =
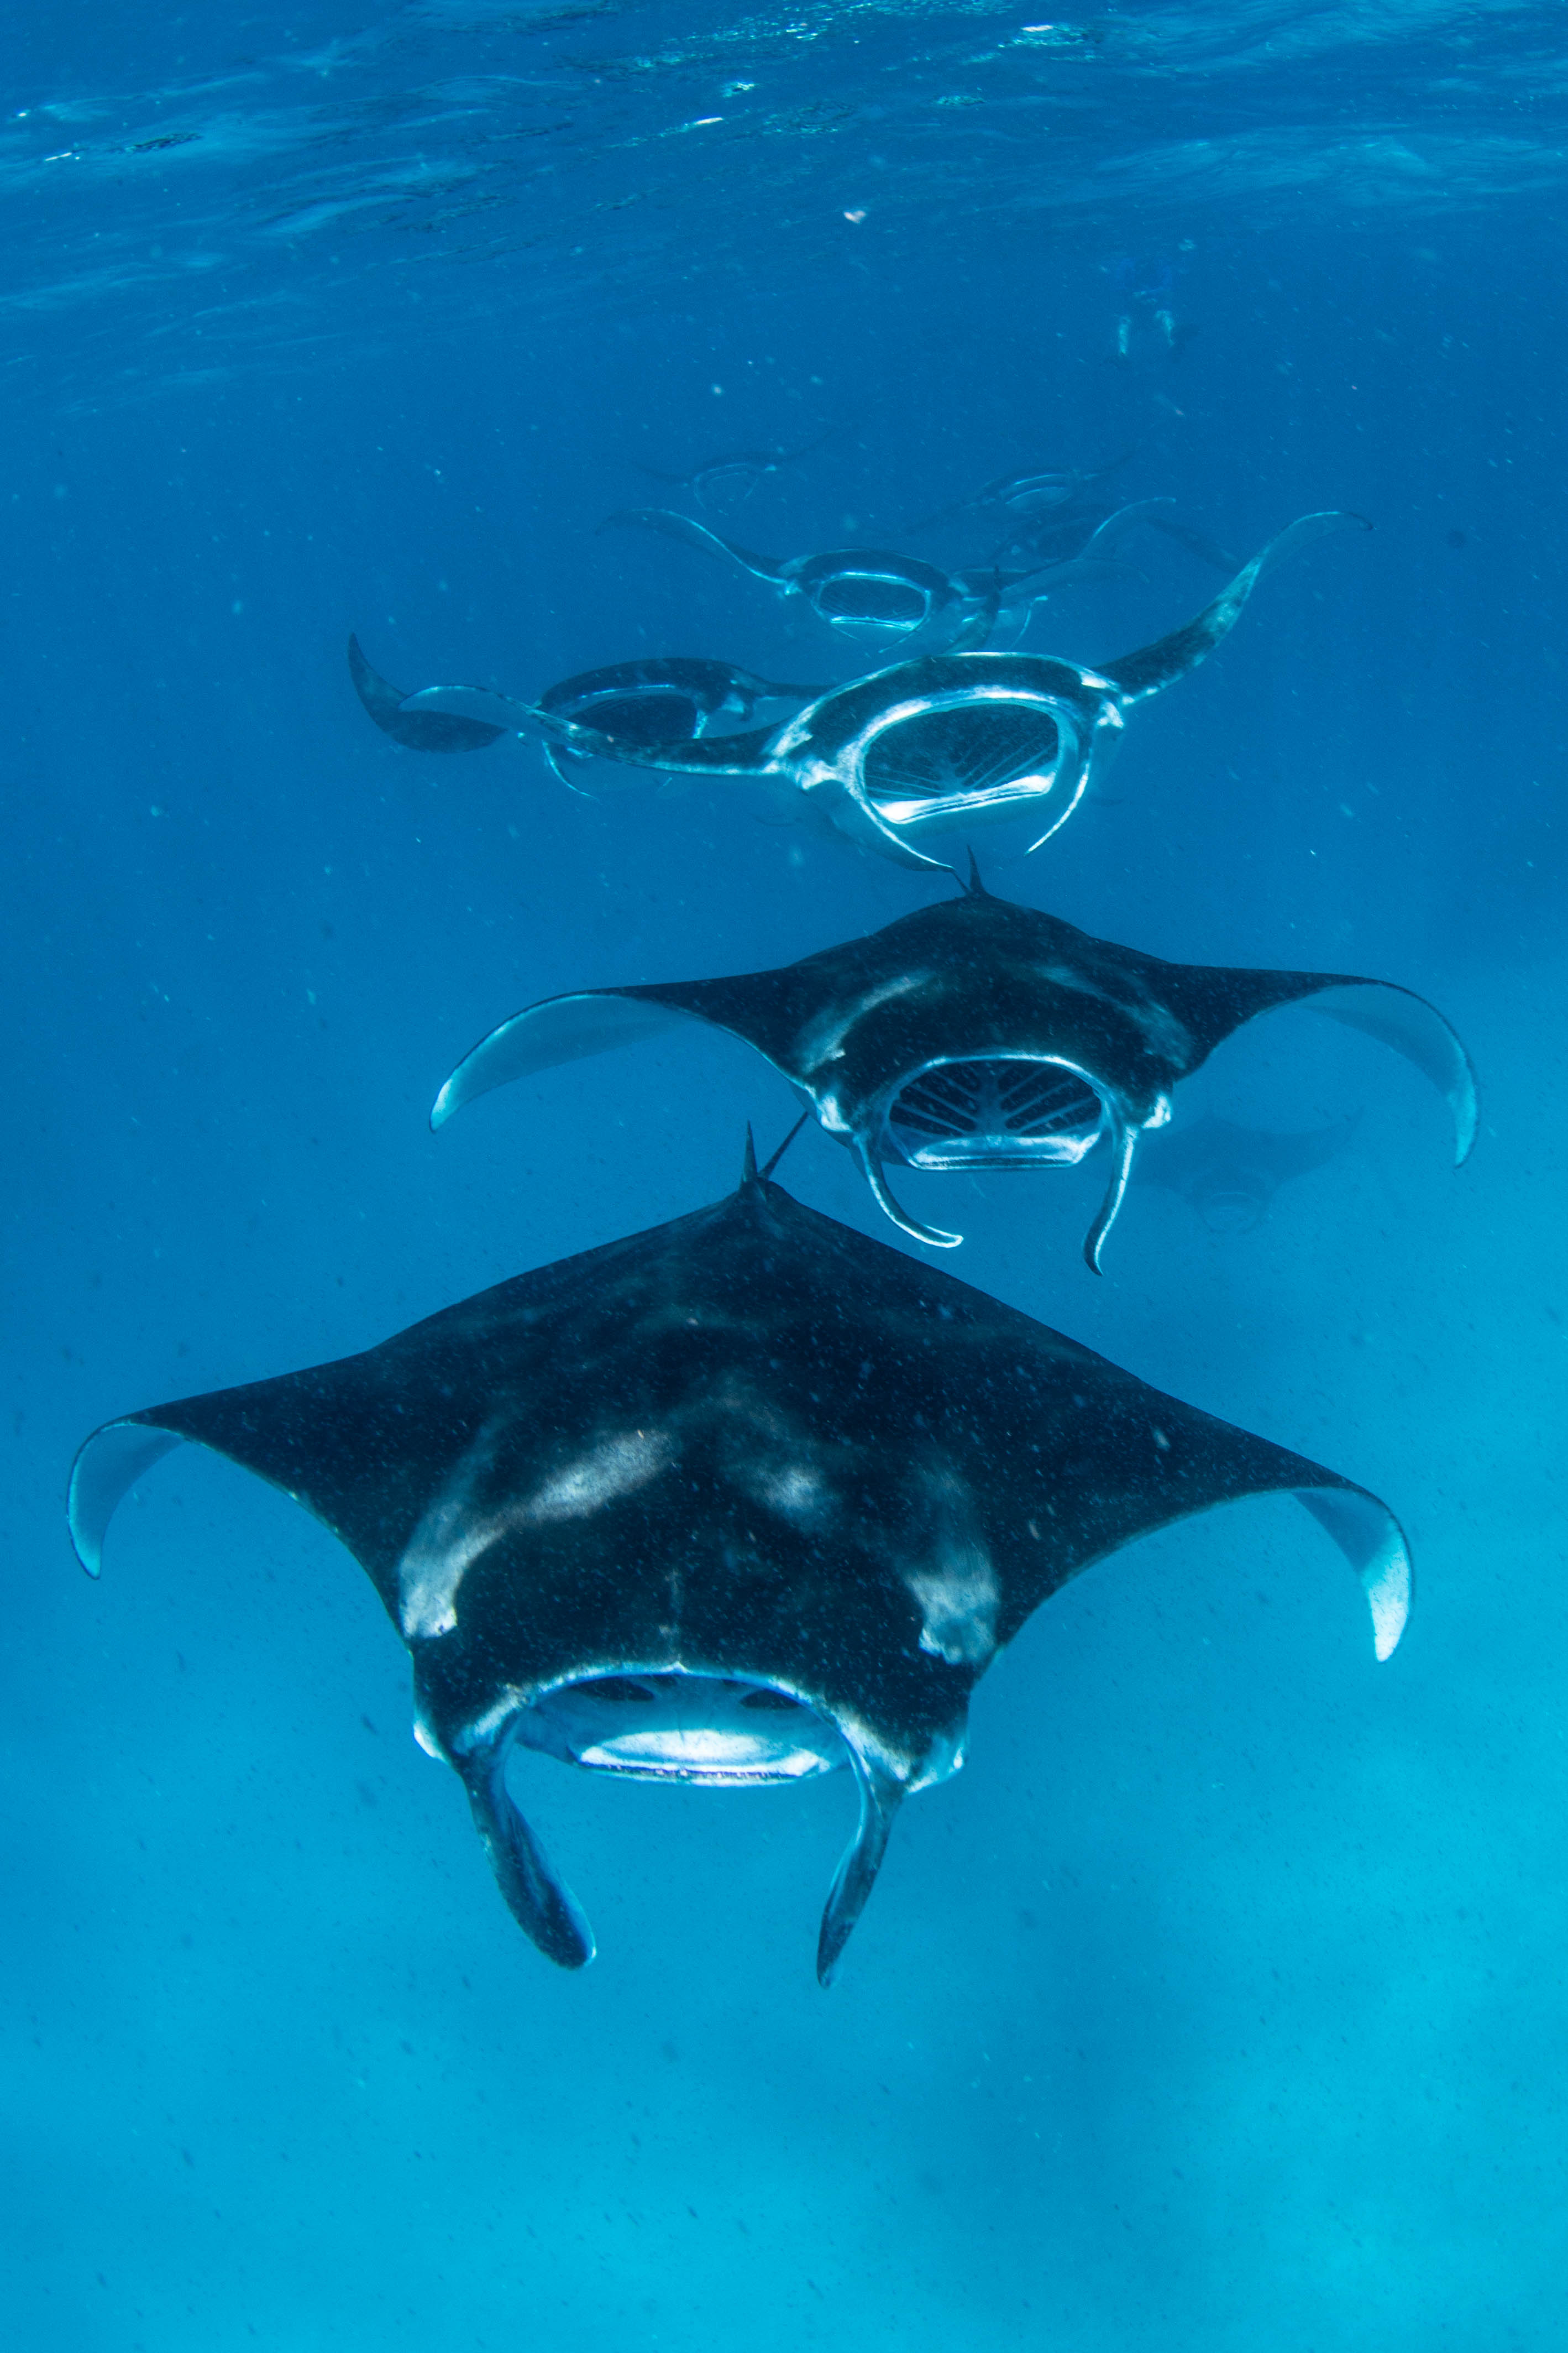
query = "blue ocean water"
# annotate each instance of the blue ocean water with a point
(1217, 2003)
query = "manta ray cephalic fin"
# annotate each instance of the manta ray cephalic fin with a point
(538, 1901)
(1124, 1144)
(870, 1168)
(880, 1797)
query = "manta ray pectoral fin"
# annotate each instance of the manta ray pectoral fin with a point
(108, 1465)
(475, 706)
(1398, 1017)
(543, 1905)
(559, 1029)
(1124, 1144)
(880, 1795)
(1154, 666)
(1107, 536)
(696, 534)
(415, 729)
(871, 1169)
(1373, 1541)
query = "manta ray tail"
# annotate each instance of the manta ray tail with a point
(772, 1162)
(853, 1880)
(542, 1906)
(1145, 672)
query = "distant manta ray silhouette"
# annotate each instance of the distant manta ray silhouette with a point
(877, 596)
(1230, 1174)
(741, 1499)
(977, 1034)
(1040, 492)
(736, 474)
(926, 746)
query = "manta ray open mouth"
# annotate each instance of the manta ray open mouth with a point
(969, 750)
(868, 596)
(1003, 1112)
(718, 1730)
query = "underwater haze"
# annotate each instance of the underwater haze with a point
(1217, 2005)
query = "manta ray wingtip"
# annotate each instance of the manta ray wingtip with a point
(1374, 1545)
(108, 1465)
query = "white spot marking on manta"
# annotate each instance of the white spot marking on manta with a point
(820, 1042)
(614, 1468)
(447, 1541)
(451, 1537)
(958, 1597)
(794, 1492)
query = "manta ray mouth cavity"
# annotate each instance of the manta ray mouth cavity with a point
(875, 600)
(967, 750)
(1000, 1111)
(719, 1731)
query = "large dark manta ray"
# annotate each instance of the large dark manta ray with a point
(734, 1500)
(978, 1034)
(930, 745)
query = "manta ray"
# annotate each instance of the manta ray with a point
(740, 1500)
(977, 1034)
(665, 698)
(877, 596)
(1053, 489)
(1230, 1174)
(941, 742)
(735, 475)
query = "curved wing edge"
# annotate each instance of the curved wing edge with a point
(1373, 1543)
(558, 1029)
(1398, 1017)
(1154, 666)
(108, 1465)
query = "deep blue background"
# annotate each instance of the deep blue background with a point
(1217, 2004)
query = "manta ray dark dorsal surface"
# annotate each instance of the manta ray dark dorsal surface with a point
(865, 1032)
(750, 1450)
(417, 731)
